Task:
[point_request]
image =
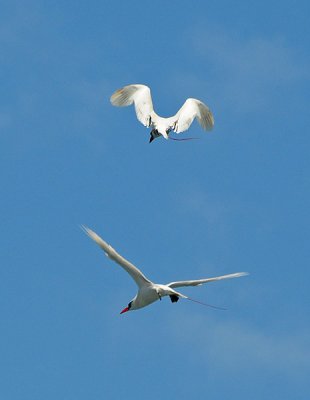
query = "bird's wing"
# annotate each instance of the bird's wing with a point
(140, 95)
(191, 109)
(201, 281)
(133, 271)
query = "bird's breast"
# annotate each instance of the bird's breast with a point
(146, 296)
(162, 125)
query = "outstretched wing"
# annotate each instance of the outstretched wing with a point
(201, 281)
(133, 271)
(140, 95)
(190, 110)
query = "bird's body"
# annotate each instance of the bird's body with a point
(140, 95)
(149, 292)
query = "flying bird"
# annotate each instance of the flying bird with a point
(140, 95)
(149, 292)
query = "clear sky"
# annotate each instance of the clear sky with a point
(235, 200)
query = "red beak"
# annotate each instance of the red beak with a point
(125, 310)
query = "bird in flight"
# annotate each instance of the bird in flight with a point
(149, 292)
(140, 95)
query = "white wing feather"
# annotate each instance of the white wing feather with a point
(133, 271)
(140, 95)
(201, 281)
(191, 109)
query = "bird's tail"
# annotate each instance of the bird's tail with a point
(181, 140)
(206, 304)
(199, 302)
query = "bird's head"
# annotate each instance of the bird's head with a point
(128, 308)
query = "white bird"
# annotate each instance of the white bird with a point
(140, 95)
(148, 292)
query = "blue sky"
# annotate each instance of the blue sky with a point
(236, 200)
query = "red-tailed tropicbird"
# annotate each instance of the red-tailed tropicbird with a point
(148, 292)
(140, 95)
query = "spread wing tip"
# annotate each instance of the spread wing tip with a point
(237, 274)
(96, 238)
(88, 231)
(121, 98)
(127, 95)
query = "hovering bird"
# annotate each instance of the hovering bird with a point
(140, 95)
(148, 292)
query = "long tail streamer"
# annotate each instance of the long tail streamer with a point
(181, 140)
(207, 305)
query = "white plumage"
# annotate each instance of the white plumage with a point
(140, 95)
(148, 292)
